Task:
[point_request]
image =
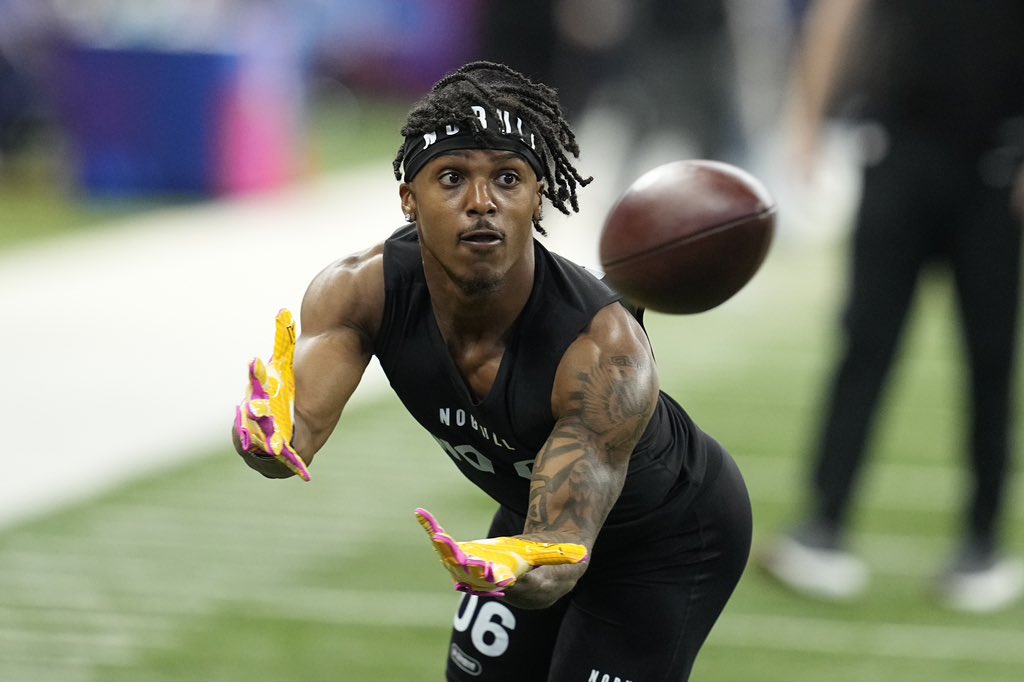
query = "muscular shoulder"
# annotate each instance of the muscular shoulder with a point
(348, 293)
(613, 332)
(611, 358)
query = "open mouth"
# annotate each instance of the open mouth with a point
(482, 237)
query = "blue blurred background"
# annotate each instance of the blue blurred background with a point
(209, 96)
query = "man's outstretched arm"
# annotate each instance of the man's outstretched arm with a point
(341, 312)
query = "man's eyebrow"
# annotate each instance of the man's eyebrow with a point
(508, 156)
(503, 156)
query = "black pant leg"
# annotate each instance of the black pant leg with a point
(891, 240)
(985, 258)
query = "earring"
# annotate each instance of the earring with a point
(410, 218)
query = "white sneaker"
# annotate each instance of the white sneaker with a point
(984, 590)
(820, 573)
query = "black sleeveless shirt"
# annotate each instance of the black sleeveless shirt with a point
(493, 441)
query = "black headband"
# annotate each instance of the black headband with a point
(503, 130)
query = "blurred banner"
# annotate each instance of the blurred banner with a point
(143, 122)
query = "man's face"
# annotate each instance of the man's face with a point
(474, 210)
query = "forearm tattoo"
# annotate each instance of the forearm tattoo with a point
(579, 472)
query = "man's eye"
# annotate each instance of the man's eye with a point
(450, 178)
(508, 178)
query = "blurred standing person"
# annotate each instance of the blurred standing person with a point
(667, 68)
(573, 44)
(521, 34)
(27, 30)
(941, 86)
(15, 108)
(672, 78)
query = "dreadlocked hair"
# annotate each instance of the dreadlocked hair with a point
(501, 87)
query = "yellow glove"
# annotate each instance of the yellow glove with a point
(486, 567)
(264, 421)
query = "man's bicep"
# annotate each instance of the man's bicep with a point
(607, 381)
(328, 368)
(340, 314)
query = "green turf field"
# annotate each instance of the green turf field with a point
(213, 573)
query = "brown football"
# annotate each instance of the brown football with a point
(686, 236)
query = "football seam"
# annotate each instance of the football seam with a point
(691, 238)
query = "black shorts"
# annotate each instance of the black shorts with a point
(641, 611)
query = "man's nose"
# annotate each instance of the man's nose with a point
(480, 200)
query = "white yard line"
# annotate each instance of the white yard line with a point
(125, 349)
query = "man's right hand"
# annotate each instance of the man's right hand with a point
(264, 420)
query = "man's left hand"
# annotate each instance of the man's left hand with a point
(486, 567)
